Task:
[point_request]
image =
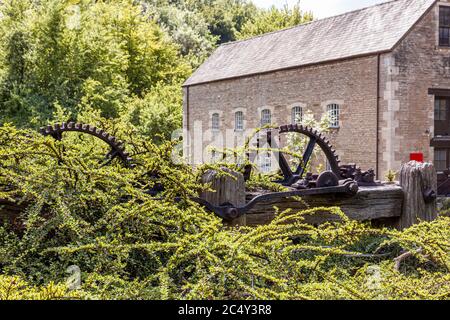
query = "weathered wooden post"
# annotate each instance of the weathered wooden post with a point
(419, 183)
(229, 188)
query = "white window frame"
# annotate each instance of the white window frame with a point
(215, 122)
(266, 117)
(266, 162)
(239, 121)
(334, 113)
(297, 114)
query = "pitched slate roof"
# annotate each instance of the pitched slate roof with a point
(370, 30)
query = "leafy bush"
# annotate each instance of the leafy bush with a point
(130, 245)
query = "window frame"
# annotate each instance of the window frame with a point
(266, 162)
(444, 26)
(215, 122)
(443, 161)
(266, 117)
(440, 112)
(295, 111)
(239, 121)
(334, 113)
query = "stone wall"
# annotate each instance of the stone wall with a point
(406, 109)
(352, 84)
(405, 114)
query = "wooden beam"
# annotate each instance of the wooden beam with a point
(370, 203)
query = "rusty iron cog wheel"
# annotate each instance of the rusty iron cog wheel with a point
(315, 139)
(117, 147)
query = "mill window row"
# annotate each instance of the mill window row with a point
(297, 113)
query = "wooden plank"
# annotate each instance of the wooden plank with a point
(370, 203)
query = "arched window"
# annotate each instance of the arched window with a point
(334, 115)
(266, 117)
(215, 122)
(239, 121)
(297, 115)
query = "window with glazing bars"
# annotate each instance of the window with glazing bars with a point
(215, 122)
(333, 114)
(239, 121)
(297, 115)
(444, 26)
(266, 162)
(440, 160)
(266, 117)
(440, 109)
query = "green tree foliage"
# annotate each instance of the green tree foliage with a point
(130, 245)
(125, 58)
(80, 54)
(188, 28)
(274, 19)
(158, 114)
(224, 18)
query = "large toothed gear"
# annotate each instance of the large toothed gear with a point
(319, 139)
(117, 147)
(315, 138)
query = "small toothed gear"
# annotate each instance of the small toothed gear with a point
(316, 138)
(117, 146)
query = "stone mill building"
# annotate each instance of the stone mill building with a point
(382, 72)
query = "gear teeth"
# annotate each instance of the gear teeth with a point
(118, 146)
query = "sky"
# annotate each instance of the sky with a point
(321, 8)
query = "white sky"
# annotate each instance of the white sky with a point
(321, 8)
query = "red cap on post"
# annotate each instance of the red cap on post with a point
(417, 156)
